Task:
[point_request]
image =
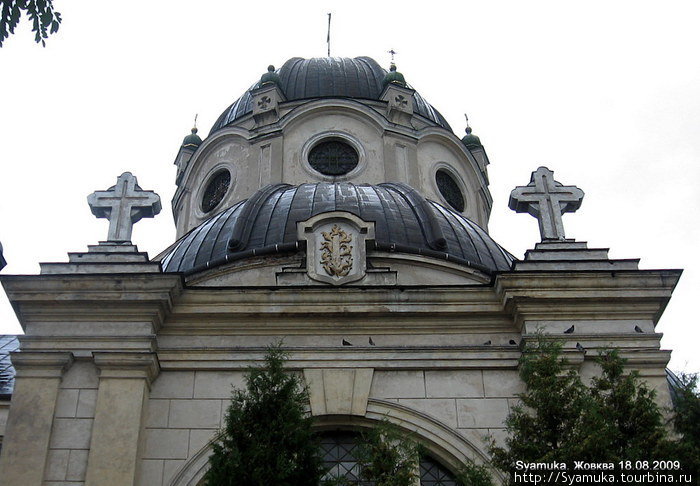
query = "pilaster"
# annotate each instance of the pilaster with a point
(125, 380)
(26, 443)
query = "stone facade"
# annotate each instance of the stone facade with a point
(125, 370)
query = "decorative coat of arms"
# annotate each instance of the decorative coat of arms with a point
(336, 252)
(336, 244)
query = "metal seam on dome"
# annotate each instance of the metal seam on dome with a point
(382, 203)
(199, 238)
(240, 233)
(478, 231)
(403, 220)
(223, 220)
(433, 233)
(470, 231)
(221, 242)
(268, 226)
(454, 231)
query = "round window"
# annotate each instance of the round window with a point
(333, 158)
(216, 190)
(450, 189)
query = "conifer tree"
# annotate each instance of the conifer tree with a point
(686, 421)
(388, 457)
(562, 420)
(267, 438)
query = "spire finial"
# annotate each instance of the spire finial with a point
(194, 127)
(468, 129)
(328, 37)
(392, 65)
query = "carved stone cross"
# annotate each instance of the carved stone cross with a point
(123, 205)
(546, 199)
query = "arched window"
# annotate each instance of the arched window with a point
(339, 449)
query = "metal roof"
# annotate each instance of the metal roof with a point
(405, 222)
(328, 77)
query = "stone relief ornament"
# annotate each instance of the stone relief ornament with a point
(336, 252)
(336, 246)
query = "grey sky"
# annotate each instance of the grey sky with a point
(606, 94)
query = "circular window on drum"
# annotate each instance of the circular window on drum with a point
(450, 190)
(216, 190)
(333, 157)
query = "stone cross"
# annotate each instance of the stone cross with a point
(546, 199)
(123, 205)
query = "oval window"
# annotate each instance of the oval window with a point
(216, 190)
(450, 189)
(333, 158)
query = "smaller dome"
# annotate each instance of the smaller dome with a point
(470, 140)
(270, 77)
(394, 77)
(192, 140)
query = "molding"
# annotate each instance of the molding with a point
(345, 357)
(41, 364)
(127, 365)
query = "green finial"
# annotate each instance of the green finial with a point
(192, 140)
(394, 77)
(270, 77)
(469, 140)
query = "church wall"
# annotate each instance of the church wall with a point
(72, 426)
(432, 156)
(186, 408)
(4, 412)
(302, 135)
(184, 412)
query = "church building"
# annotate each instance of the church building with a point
(333, 208)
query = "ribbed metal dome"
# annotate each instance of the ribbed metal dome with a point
(328, 77)
(405, 222)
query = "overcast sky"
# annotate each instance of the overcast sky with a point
(604, 93)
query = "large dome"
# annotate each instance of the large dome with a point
(328, 77)
(405, 222)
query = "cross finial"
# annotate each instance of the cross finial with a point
(328, 37)
(2, 260)
(546, 199)
(393, 53)
(123, 205)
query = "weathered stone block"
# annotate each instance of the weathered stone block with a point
(338, 391)
(398, 384)
(454, 383)
(157, 413)
(442, 409)
(77, 465)
(195, 414)
(150, 473)
(87, 401)
(199, 438)
(57, 465)
(170, 468)
(173, 384)
(71, 433)
(502, 383)
(82, 374)
(67, 403)
(481, 412)
(166, 444)
(217, 384)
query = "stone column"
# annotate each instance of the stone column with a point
(125, 379)
(26, 443)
